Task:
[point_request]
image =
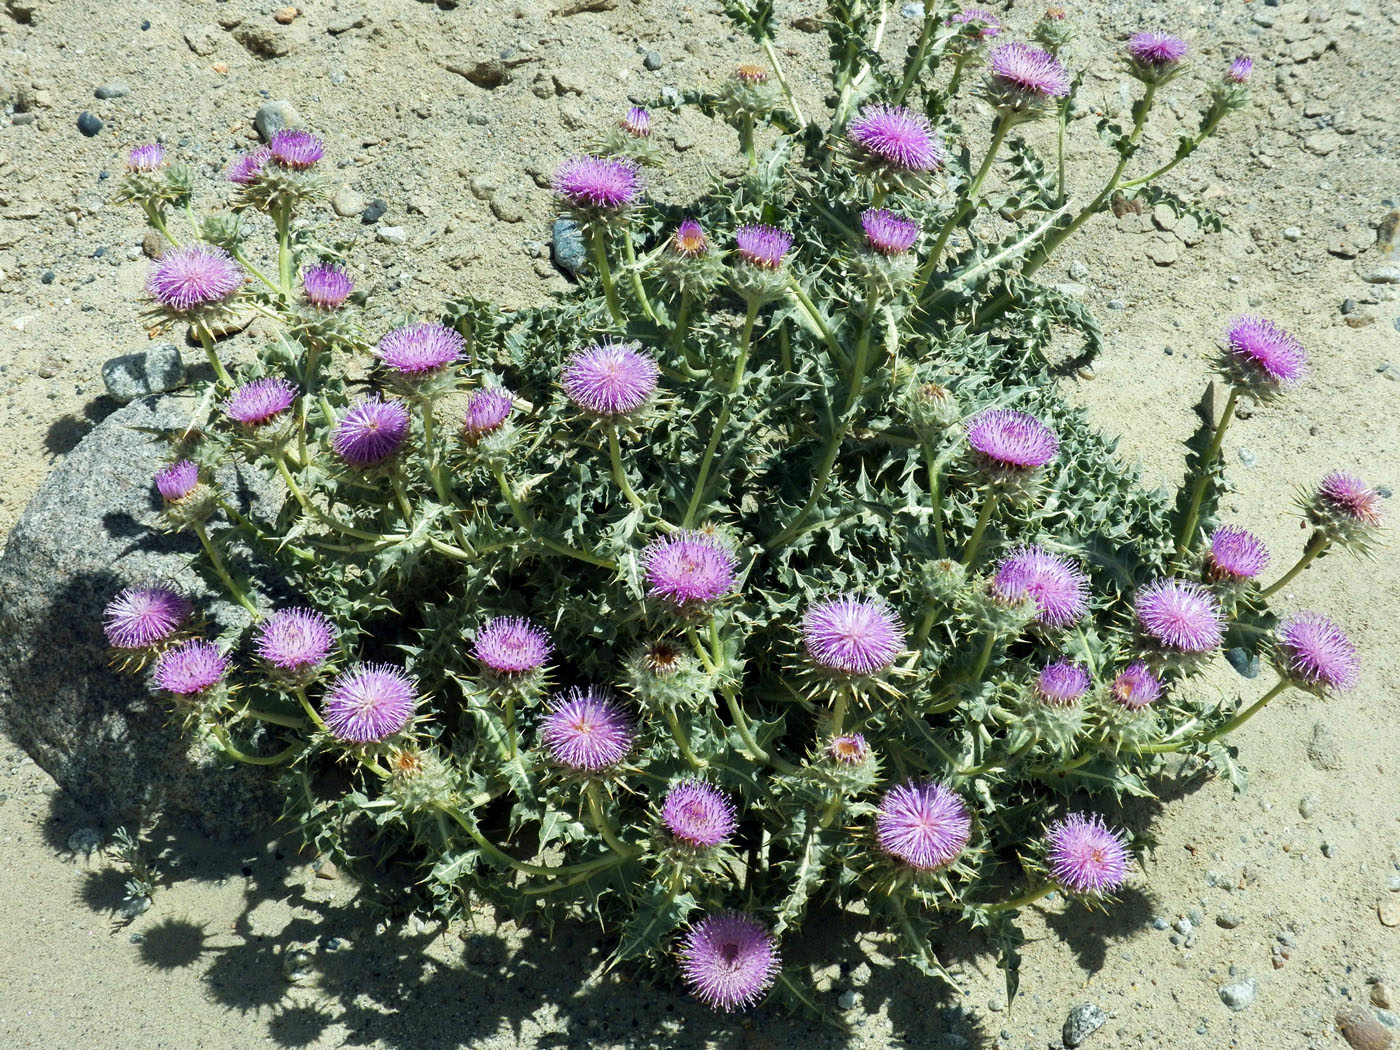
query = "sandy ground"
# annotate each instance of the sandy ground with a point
(1288, 884)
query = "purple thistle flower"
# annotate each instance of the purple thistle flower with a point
(1316, 653)
(988, 25)
(512, 645)
(295, 149)
(1157, 49)
(190, 668)
(1180, 615)
(1265, 352)
(1012, 439)
(698, 813)
(926, 825)
(147, 157)
(611, 379)
(1348, 495)
(729, 960)
(192, 276)
(750, 73)
(690, 240)
(597, 182)
(139, 617)
(689, 568)
(487, 410)
(897, 137)
(762, 246)
(1241, 69)
(1235, 554)
(888, 232)
(245, 168)
(1135, 687)
(1085, 855)
(260, 401)
(326, 286)
(1028, 71)
(637, 122)
(852, 634)
(586, 730)
(1062, 683)
(177, 481)
(418, 349)
(295, 639)
(1059, 588)
(370, 431)
(369, 703)
(849, 750)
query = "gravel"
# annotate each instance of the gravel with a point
(274, 116)
(1083, 1021)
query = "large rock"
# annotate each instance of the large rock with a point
(90, 530)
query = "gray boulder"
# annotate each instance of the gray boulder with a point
(114, 749)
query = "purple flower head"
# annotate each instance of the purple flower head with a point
(1030, 72)
(611, 379)
(586, 730)
(419, 349)
(1062, 683)
(139, 617)
(690, 240)
(295, 639)
(852, 634)
(147, 157)
(511, 645)
(191, 668)
(1236, 554)
(689, 568)
(372, 702)
(729, 960)
(1349, 496)
(177, 481)
(597, 182)
(848, 750)
(698, 813)
(326, 287)
(1266, 353)
(637, 122)
(926, 825)
(295, 149)
(896, 136)
(370, 431)
(260, 401)
(1085, 855)
(1012, 439)
(192, 276)
(1157, 49)
(1135, 687)
(1058, 587)
(1316, 653)
(762, 246)
(887, 232)
(1180, 615)
(487, 411)
(245, 168)
(986, 24)
(1241, 69)
(750, 73)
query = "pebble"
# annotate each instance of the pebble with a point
(297, 966)
(1362, 1030)
(374, 212)
(1159, 922)
(652, 60)
(848, 999)
(1182, 925)
(1164, 253)
(1247, 458)
(116, 89)
(346, 202)
(1083, 1021)
(1240, 995)
(1323, 752)
(1307, 806)
(153, 371)
(996, 1005)
(567, 247)
(507, 207)
(1381, 995)
(285, 15)
(1117, 304)
(1227, 920)
(1293, 233)
(390, 234)
(88, 124)
(274, 116)
(263, 41)
(1388, 911)
(1078, 271)
(85, 840)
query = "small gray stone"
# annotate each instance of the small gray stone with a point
(1247, 458)
(1117, 304)
(1228, 920)
(274, 116)
(88, 124)
(1164, 217)
(1182, 925)
(116, 89)
(84, 841)
(374, 212)
(1240, 995)
(1293, 233)
(391, 235)
(343, 23)
(263, 41)
(848, 999)
(483, 186)
(153, 371)
(1159, 922)
(1164, 253)
(568, 249)
(488, 73)
(347, 203)
(1307, 806)
(652, 60)
(1322, 748)
(203, 40)
(1078, 271)
(1083, 1021)
(507, 207)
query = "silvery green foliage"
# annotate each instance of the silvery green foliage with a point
(813, 418)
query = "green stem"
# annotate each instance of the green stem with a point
(243, 261)
(324, 518)
(273, 717)
(638, 289)
(838, 711)
(746, 140)
(154, 217)
(831, 810)
(838, 356)
(619, 474)
(955, 81)
(967, 204)
(1245, 715)
(526, 522)
(502, 857)
(974, 541)
(925, 626)
(600, 260)
(771, 52)
(673, 722)
(1182, 153)
(227, 747)
(311, 712)
(594, 794)
(1029, 897)
(206, 340)
(405, 507)
(285, 262)
(916, 64)
(1198, 490)
(741, 724)
(678, 333)
(935, 487)
(736, 380)
(222, 572)
(984, 657)
(1318, 544)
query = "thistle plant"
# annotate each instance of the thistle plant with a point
(769, 571)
